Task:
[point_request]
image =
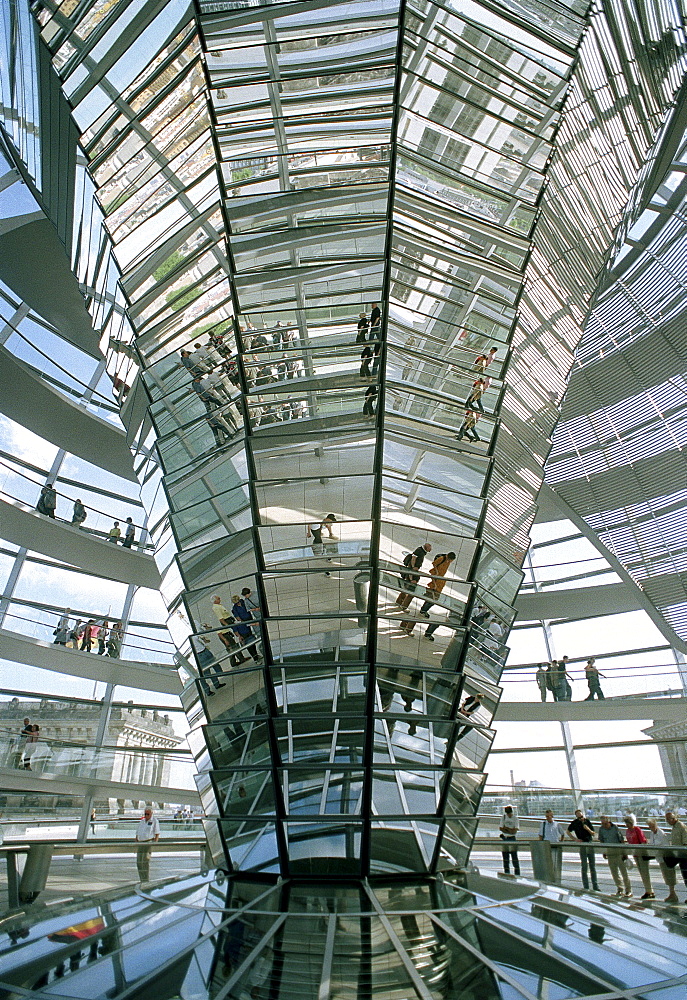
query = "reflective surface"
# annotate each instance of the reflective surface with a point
(269, 173)
(210, 938)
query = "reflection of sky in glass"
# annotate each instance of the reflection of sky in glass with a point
(16, 201)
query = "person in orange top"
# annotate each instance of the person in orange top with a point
(435, 586)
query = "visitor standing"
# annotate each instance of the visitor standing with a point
(509, 830)
(147, 834)
(610, 834)
(582, 830)
(542, 681)
(592, 675)
(129, 534)
(633, 835)
(47, 501)
(678, 838)
(553, 833)
(657, 838)
(79, 514)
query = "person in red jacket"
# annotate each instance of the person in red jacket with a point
(633, 835)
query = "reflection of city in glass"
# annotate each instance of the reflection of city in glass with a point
(337, 256)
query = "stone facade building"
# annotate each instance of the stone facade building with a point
(130, 750)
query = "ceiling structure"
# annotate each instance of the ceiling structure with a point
(624, 416)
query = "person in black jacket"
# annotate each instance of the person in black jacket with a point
(363, 326)
(413, 561)
(370, 396)
(582, 830)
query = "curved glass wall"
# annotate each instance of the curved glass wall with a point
(342, 257)
(267, 176)
(89, 660)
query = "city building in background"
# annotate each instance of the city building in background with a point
(67, 748)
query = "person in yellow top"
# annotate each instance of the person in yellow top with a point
(114, 533)
(224, 617)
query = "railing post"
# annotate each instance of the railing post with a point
(35, 873)
(543, 866)
(12, 881)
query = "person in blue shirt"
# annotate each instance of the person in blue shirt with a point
(242, 615)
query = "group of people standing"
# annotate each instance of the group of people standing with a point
(89, 636)
(240, 632)
(554, 677)
(115, 534)
(47, 505)
(581, 829)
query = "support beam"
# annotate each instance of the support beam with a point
(146, 676)
(29, 400)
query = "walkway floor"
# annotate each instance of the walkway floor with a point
(489, 862)
(69, 878)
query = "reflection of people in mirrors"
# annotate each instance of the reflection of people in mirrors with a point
(314, 531)
(410, 343)
(468, 427)
(377, 350)
(468, 709)
(471, 704)
(226, 635)
(243, 631)
(206, 660)
(435, 586)
(370, 396)
(375, 320)
(474, 400)
(413, 561)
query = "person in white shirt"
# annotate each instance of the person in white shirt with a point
(147, 833)
(657, 838)
(553, 833)
(202, 358)
(509, 829)
(216, 382)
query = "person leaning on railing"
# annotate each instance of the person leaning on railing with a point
(636, 836)
(678, 838)
(610, 834)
